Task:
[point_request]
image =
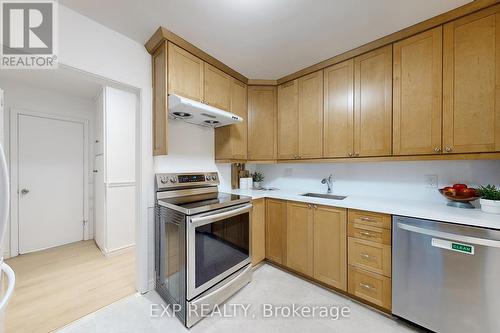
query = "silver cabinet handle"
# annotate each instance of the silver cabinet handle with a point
(367, 219)
(367, 234)
(349, 154)
(448, 149)
(367, 286)
(315, 206)
(450, 236)
(437, 149)
(25, 191)
(356, 154)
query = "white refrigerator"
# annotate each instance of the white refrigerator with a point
(7, 276)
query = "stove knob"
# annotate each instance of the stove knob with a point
(214, 178)
(207, 178)
(164, 180)
(173, 180)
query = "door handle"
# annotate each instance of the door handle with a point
(450, 236)
(25, 191)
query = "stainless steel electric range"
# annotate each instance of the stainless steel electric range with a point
(202, 242)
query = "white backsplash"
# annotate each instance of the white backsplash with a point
(403, 180)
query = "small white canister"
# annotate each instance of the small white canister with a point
(243, 183)
(250, 183)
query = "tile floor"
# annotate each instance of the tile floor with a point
(269, 285)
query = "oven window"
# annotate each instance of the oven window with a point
(220, 246)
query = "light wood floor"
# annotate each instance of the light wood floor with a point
(57, 286)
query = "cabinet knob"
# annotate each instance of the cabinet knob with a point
(349, 154)
(356, 154)
(448, 149)
(437, 149)
(315, 206)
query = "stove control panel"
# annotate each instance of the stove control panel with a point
(186, 179)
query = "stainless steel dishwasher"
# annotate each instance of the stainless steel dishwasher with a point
(446, 277)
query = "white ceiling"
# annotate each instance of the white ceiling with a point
(62, 80)
(264, 39)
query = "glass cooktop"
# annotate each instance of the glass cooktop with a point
(194, 204)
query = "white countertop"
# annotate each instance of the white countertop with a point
(438, 211)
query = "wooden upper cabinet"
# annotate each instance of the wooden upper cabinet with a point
(276, 225)
(288, 117)
(231, 141)
(330, 248)
(185, 73)
(373, 103)
(471, 86)
(217, 86)
(239, 106)
(160, 101)
(299, 240)
(262, 122)
(338, 123)
(417, 94)
(311, 115)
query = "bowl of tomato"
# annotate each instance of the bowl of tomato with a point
(459, 195)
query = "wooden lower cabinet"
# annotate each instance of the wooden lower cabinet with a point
(330, 257)
(374, 288)
(258, 231)
(299, 239)
(276, 231)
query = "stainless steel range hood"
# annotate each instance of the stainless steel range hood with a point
(198, 113)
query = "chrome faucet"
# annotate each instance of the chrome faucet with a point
(329, 182)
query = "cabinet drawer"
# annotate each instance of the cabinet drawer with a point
(366, 232)
(370, 218)
(371, 287)
(370, 256)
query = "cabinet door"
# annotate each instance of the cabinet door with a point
(217, 87)
(373, 103)
(311, 115)
(258, 231)
(160, 107)
(239, 131)
(261, 123)
(338, 139)
(417, 90)
(185, 73)
(276, 220)
(471, 86)
(330, 249)
(288, 117)
(299, 240)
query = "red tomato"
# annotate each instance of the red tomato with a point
(459, 186)
(450, 191)
(467, 192)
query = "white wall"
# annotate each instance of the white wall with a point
(403, 180)
(22, 96)
(91, 47)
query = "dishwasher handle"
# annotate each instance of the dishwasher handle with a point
(450, 236)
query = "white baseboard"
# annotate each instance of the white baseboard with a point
(118, 251)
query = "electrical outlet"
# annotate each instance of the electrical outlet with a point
(431, 181)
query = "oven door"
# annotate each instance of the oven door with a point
(218, 244)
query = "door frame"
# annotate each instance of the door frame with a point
(15, 113)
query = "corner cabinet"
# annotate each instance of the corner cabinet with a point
(262, 112)
(373, 103)
(471, 86)
(300, 117)
(231, 141)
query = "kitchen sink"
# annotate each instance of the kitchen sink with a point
(324, 196)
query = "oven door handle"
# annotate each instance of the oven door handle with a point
(220, 216)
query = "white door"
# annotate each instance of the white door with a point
(51, 182)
